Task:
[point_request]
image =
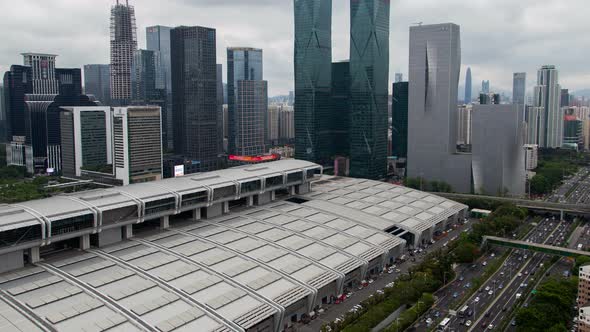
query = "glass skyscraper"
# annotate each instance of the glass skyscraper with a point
(369, 75)
(97, 82)
(194, 96)
(313, 72)
(339, 144)
(468, 86)
(548, 96)
(399, 112)
(245, 129)
(518, 88)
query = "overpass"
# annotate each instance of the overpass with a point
(577, 209)
(542, 248)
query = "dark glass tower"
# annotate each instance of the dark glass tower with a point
(244, 64)
(97, 82)
(143, 76)
(369, 74)
(339, 144)
(400, 120)
(194, 96)
(313, 73)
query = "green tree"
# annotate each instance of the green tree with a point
(540, 185)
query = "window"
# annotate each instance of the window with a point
(312, 173)
(251, 186)
(71, 225)
(195, 198)
(16, 236)
(224, 192)
(160, 205)
(295, 177)
(274, 181)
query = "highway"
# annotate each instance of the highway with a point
(527, 275)
(502, 282)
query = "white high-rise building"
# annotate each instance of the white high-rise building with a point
(531, 158)
(464, 130)
(548, 96)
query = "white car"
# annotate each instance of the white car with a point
(520, 274)
(476, 299)
(468, 323)
(491, 327)
(491, 292)
(487, 288)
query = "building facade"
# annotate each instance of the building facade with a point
(485, 87)
(339, 125)
(137, 144)
(547, 95)
(531, 156)
(369, 87)
(464, 128)
(97, 82)
(519, 88)
(535, 123)
(399, 123)
(123, 46)
(468, 87)
(565, 98)
(584, 299)
(432, 113)
(194, 95)
(248, 107)
(158, 40)
(498, 154)
(313, 73)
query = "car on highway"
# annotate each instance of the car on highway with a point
(468, 323)
(491, 327)
(488, 288)
(455, 294)
(476, 299)
(491, 292)
(501, 286)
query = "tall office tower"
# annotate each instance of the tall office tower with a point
(498, 154)
(535, 123)
(158, 40)
(220, 113)
(313, 73)
(251, 117)
(97, 82)
(518, 88)
(339, 143)
(137, 144)
(435, 49)
(369, 89)
(565, 98)
(531, 159)
(273, 124)
(86, 139)
(485, 87)
(399, 112)
(468, 86)
(548, 95)
(43, 71)
(194, 96)
(287, 131)
(489, 98)
(123, 45)
(245, 64)
(399, 77)
(143, 76)
(3, 118)
(464, 132)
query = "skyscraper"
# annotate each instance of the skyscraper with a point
(485, 87)
(399, 139)
(369, 89)
(339, 144)
(565, 98)
(313, 72)
(399, 77)
(548, 95)
(97, 82)
(123, 45)
(143, 76)
(194, 96)
(468, 86)
(245, 107)
(137, 144)
(432, 115)
(158, 40)
(498, 154)
(518, 88)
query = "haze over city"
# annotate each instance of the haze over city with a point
(498, 37)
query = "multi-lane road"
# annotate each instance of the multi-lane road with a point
(574, 190)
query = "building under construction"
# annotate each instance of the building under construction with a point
(123, 44)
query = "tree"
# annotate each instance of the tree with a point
(540, 185)
(466, 252)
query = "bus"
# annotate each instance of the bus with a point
(463, 312)
(444, 325)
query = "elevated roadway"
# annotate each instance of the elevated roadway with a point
(542, 248)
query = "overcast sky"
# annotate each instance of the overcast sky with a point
(498, 37)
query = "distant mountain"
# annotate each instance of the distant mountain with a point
(582, 93)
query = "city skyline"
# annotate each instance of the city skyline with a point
(496, 60)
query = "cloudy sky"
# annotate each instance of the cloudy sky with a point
(499, 37)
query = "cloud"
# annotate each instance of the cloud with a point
(499, 37)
